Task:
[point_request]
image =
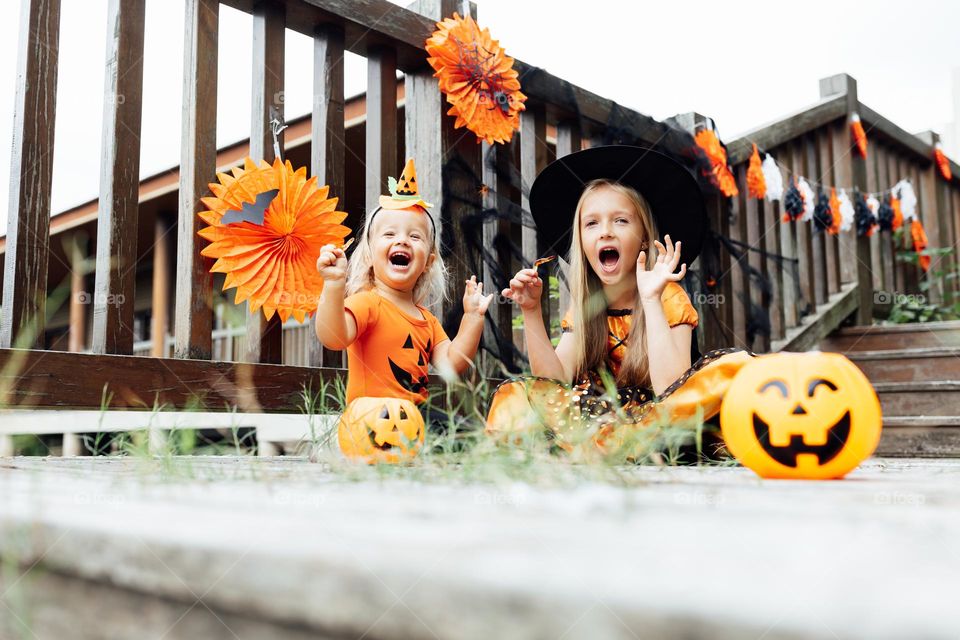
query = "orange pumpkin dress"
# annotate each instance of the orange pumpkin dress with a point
(562, 410)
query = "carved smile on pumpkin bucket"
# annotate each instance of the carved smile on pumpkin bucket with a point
(383, 442)
(837, 436)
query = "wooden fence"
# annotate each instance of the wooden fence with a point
(837, 276)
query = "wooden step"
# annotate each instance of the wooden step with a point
(926, 364)
(920, 437)
(931, 398)
(898, 336)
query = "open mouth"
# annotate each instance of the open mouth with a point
(609, 258)
(786, 455)
(400, 259)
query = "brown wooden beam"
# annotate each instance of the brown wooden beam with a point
(119, 180)
(31, 172)
(193, 324)
(328, 142)
(264, 337)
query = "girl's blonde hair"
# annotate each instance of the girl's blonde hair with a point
(431, 286)
(589, 305)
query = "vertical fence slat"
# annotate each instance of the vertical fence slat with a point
(886, 237)
(771, 244)
(818, 240)
(31, 174)
(876, 265)
(864, 271)
(755, 259)
(264, 338)
(844, 178)
(119, 180)
(931, 223)
(568, 141)
(533, 158)
(328, 143)
(163, 249)
(737, 273)
(381, 147)
(78, 289)
(193, 316)
(801, 231)
(831, 258)
(788, 248)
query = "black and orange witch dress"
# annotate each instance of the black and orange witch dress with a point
(565, 411)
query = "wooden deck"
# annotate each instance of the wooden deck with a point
(244, 547)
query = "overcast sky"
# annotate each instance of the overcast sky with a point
(743, 66)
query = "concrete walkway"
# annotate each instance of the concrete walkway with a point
(264, 548)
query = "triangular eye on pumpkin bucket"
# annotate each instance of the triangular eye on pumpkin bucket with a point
(405, 192)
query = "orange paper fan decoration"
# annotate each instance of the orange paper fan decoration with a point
(707, 140)
(919, 237)
(897, 213)
(272, 263)
(859, 135)
(477, 77)
(756, 183)
(835, 212)
(943, 163)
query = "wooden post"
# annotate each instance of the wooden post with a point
(119, 180)
(79, 296)
(193, 323)
(568, 141)
(851, 244)
(31, 171)
(533, 158)
(930, 214)
(162, 263)
(328, 143)
(381, 155)
(264, 337)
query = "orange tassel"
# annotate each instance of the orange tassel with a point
(859, 135)
(708, 141)
(897, 213)
(834, 212)
(942, 162)
(756, 183)
(919, 237)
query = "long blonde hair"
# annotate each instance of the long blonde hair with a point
(431, 286)
(589, 305)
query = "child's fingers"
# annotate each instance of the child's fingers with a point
(675, 260)
(642, 261)
(683, 271)
(669, 243)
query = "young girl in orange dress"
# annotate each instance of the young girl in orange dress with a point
(630, 324)
(375, 305)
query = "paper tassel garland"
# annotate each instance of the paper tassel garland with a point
(792, 203)
(809, 200)
(707, 140)
(943, 163)
(773, 178)
(756, 184)
(859, 135)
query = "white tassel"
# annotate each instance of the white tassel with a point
(773, 178)
(809, 199)
(873, 204)
(908, 199)
(847, 214)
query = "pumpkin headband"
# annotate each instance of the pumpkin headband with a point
(404, 193)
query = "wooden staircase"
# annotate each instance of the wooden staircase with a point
(915, 369)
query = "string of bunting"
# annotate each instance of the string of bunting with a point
(831, 209)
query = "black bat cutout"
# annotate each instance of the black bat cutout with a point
(253, 213)
(786, 455)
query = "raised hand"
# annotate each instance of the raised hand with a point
(525, 289)
(332, 264)
(473, 299)
(651, 283)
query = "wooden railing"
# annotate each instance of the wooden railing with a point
(452, 166)
(464, 178)
(826, 278)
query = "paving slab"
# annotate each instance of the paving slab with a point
(280, 547)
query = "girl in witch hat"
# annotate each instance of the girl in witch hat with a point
(632, 219)
(396, 269)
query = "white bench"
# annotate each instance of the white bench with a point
(271, 428)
